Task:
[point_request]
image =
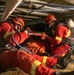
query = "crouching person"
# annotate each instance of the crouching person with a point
(30, 63)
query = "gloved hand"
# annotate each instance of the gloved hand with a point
(28, 31)
(44, 36)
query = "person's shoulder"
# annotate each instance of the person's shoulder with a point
(5, 23)
(61, 25)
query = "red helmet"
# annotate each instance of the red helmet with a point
(19, 21)
(50, 18)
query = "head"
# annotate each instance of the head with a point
(70, 23)
(18, 23)
(50, 20)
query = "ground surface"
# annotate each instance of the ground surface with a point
(69, 69)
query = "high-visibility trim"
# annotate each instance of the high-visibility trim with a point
(7, 34)
(44, 60)
(35, 64)
(68, 33)
(58, 38)
(63, 55)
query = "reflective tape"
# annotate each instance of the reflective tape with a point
(7, 34)
(68, 33)
(63, 55)
(35, 64)
(58, 38)
(44, 60)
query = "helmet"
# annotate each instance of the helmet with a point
(70, 23)
(18, 20)
(50, 18)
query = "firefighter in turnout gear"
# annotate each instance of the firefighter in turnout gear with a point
(59, 32)
(14, 34)
(30, 63)
(7, 29)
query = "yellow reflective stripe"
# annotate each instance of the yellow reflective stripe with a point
(35, 64)
(68, 33)
(7, 34)
(63, 55)
(58, 38)
(44, 60)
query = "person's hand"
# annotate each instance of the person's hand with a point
(29, 30)
(44, 36)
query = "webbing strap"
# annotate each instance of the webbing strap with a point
(35, 64)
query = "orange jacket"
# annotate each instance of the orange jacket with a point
(29, 63)
(60, 33)
(56, 46)
(6, 31)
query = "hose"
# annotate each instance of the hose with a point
(21, 47)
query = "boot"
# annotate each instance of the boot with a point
(45, 54)
(63, 61)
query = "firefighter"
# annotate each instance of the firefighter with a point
(14, 34)
(30, 63)
(57, 35)
(14, 27)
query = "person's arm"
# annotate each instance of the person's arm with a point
(61, 32)
(18, 37)
(7, 32)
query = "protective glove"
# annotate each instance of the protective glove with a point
(28, 31)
